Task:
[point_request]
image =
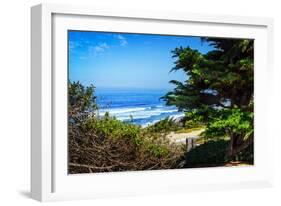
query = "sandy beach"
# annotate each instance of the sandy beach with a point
(181, 137)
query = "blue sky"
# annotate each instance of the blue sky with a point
(118, 60)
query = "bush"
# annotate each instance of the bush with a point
(193, 119)
(107, 144)
(165, 125)
(113, 128)
(213, 153)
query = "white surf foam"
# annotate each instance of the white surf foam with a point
(137, 113)
(121, 110)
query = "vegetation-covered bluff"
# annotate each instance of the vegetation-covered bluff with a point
(217, 96)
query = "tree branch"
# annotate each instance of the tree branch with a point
(91, 167)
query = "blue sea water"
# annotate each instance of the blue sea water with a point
(139, 106)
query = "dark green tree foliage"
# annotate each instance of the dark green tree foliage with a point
(80, 99)
(218, 90)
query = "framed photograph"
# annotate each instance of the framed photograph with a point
(137, 102)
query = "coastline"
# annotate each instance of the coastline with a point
(144, 115)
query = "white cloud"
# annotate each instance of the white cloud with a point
(84, 50)
(122, 40)
(74, 44)
(100, 48)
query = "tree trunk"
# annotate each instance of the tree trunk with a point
(231, 146)
(237, 144)
(243, 146)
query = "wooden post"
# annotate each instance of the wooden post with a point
(190, 143)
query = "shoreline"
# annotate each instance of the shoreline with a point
(176, 117)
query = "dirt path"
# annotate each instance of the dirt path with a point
(181, 137)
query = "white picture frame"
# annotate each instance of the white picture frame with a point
(49, 178)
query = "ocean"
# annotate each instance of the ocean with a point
(138, 106)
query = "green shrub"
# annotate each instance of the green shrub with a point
(192, 119)
(213, 153)
(157, 150)
(165, 125)
(112, 128)
(107, 144)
